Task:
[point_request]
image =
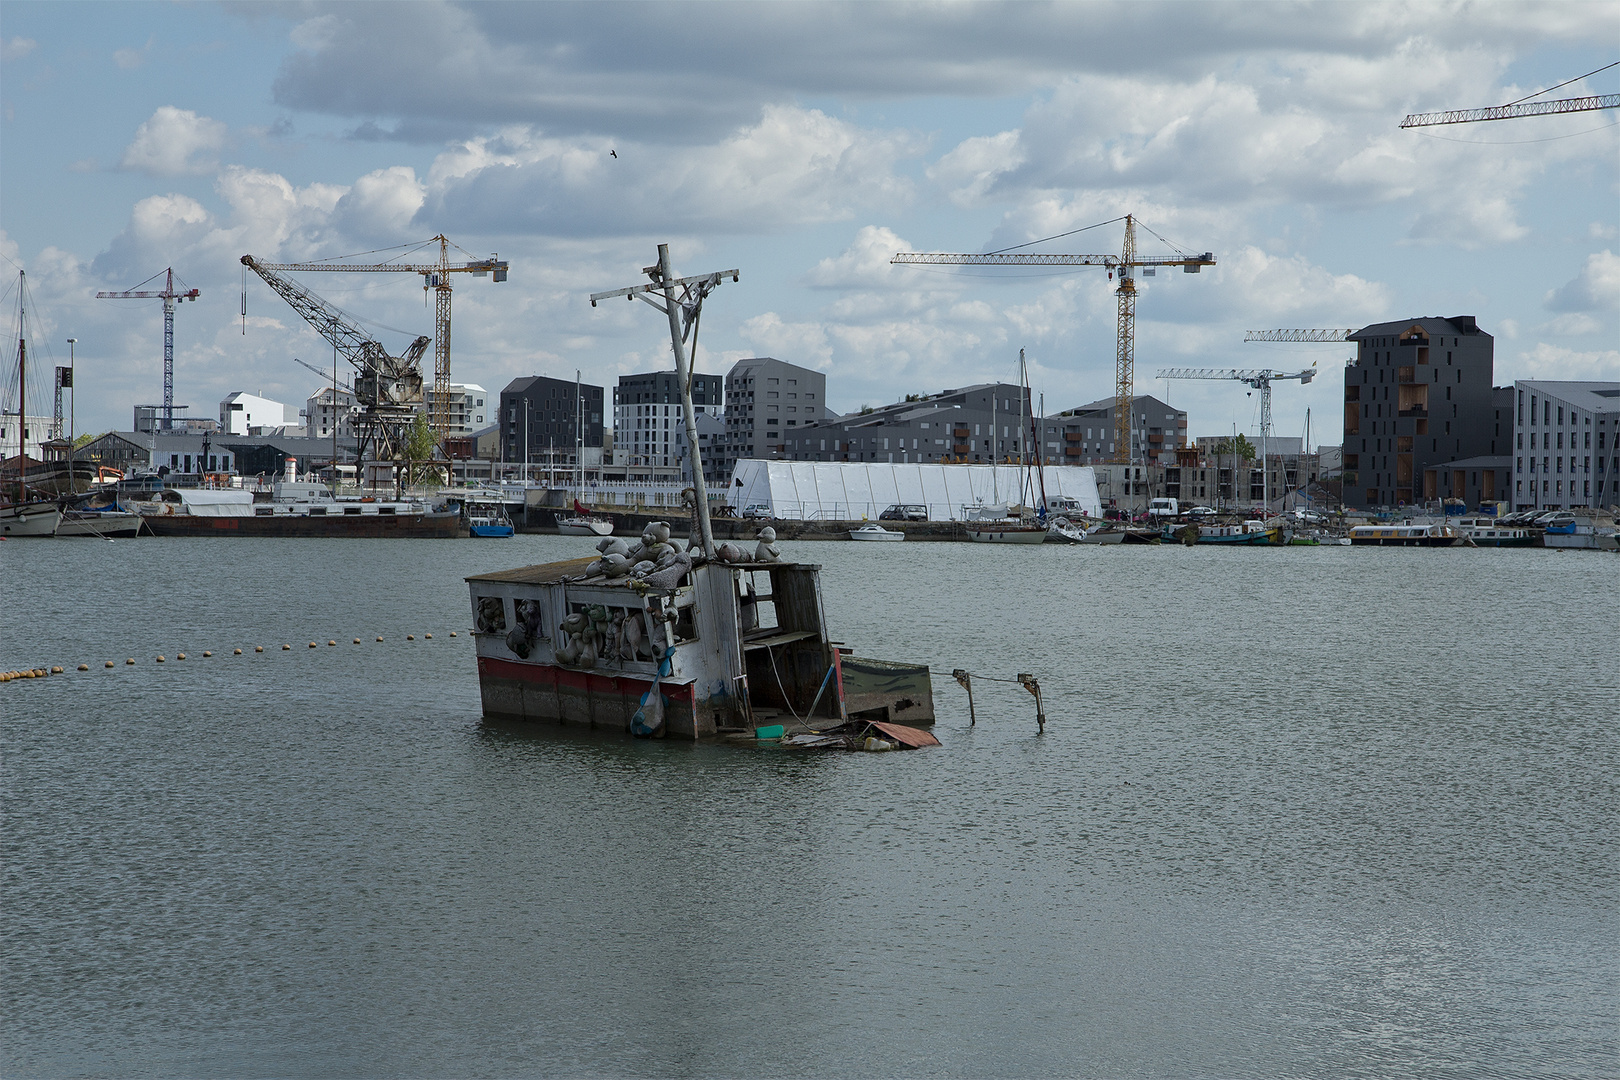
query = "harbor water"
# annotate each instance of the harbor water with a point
(1297, 811)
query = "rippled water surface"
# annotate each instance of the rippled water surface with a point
(1296, 812)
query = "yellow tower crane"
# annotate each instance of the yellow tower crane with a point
(435, 277)
(1125, 264)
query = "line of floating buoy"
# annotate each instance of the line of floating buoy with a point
(162, 658)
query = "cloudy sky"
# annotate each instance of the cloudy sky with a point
(805, 144)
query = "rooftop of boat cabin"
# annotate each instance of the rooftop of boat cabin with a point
(572, 571)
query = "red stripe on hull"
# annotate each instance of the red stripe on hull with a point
(544, 692)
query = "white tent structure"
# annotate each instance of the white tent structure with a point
(850, 491)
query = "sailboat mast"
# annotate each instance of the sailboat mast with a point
(995, 447)
(22, 385)
(1023, 457)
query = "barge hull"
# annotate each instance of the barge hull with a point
(370, 525)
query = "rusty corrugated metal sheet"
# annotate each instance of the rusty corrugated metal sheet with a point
(910, 736)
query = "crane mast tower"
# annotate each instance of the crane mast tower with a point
(1126, 264)
(168, 294)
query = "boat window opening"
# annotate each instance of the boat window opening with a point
(317, 511)
(351, 509)
(385, 509)
(264, 511)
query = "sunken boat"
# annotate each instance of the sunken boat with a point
(654, 640)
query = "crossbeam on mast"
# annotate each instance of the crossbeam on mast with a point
(683, 309)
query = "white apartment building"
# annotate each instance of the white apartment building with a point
(649, 427)
(328, 408)
(1565, 451)
(241, 413)
(467, 411)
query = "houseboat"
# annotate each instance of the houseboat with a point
(291, 509)
(1488, 532)
(1423, 534)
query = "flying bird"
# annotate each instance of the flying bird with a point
(613, 153)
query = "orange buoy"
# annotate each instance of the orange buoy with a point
(410, 637)
(84, 667)
(109, 663)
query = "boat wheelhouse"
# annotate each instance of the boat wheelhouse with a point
(726, 647)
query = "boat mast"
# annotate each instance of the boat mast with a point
(995, 463)
(684, 310)
(1040, 450)
(1023, 459)
(22, 386)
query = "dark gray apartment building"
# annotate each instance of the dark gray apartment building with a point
(1418, 396)
(538, 421)
(766, 401)
(1085, 435)
(979, 423)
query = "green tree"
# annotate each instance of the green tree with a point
(419, 448)
(1244, 448)
(84, 440)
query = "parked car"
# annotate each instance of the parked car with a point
(756, 511)
(1199, 513)
(1310, 517)
(904, 512)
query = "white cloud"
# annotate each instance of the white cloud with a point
(381, 204)
(174, 142)
(1547, 361)
(805, 342)
(691, 72)
(1595, 288)
(15, 48)
(794, 167)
